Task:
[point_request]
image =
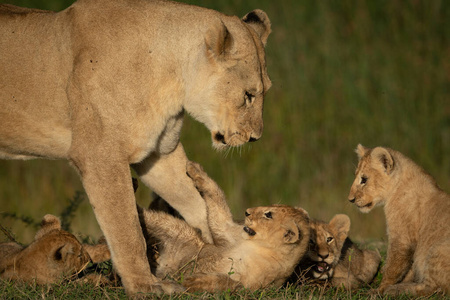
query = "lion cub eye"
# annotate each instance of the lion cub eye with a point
(268, 215)
(363, 179)
(329, 239)
(248, 98)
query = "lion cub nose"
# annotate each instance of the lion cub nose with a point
(323, 256)
(253, 139)
(352, 200)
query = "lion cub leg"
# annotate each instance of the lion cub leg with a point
(220, 219)
(178, 241)
(210, 282)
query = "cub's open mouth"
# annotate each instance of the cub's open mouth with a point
(368, 205)
(249, 231)
(322, 267)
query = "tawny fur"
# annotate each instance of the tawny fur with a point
(332, 256)
(417, 213)
(54, 255)
(259, 254)
(105, 84)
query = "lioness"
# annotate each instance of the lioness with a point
(54, 254)
(105, 84)
(417, 218)
(261, 253)
(333, 256)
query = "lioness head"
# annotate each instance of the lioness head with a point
(326, 244)
(373, 178)
(277, 225)
(227, 89)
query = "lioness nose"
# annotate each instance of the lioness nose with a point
(253, 139)
(352, 200)
(323, 256)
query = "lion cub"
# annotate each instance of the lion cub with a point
(259, 254)
(333, 256)
(53, 255)
(417, 218)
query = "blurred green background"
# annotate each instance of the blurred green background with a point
(343, 72)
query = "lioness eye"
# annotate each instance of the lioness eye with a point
(268, 215)
(248, 98)
(329, 239)
(363, 179)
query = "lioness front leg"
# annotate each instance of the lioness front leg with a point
(166, 176)
(108, 184)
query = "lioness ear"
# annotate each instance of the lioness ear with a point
(259, 21)
(48, 223)
(218, 41)
(383, 156)
(360, 151)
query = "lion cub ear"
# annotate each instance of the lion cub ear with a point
(259, 21)
(382, 156)
(361, 151)
(61, 253)
(340, 226)
(48, 223)
(291, 234)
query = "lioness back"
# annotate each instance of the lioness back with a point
(417, 213)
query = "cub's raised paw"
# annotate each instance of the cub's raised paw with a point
(198, 176)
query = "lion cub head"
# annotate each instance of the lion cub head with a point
(277, 225)
(326, 242)
(373, 178)
(227, 85)
(53, 255)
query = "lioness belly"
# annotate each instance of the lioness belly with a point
(34, 70)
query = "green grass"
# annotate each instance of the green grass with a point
(343, 72)
(73, 290)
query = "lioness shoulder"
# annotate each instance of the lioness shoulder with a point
(417, 213)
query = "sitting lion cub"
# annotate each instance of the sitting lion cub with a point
(417, 218)
(259, 254)
(333, 256)
(53, 255)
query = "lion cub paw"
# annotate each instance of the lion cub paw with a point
(198, 176)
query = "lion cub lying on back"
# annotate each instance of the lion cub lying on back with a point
(333, 256)
(54, 254)
(417, 217)
(262, 253)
